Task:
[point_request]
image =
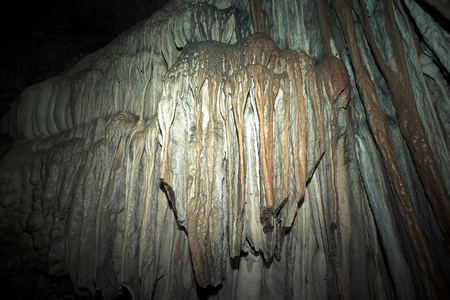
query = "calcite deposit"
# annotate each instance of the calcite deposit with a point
(238, 149)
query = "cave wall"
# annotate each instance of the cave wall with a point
(192, 153)
(42, 39)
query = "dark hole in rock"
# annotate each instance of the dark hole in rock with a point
(205, 293)
(124, 294)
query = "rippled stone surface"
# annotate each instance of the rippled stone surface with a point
(192, 155)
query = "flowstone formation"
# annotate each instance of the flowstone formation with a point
(237, 149)
(234, 141)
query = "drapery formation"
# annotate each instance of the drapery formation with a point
(233, 122)
(307, 162)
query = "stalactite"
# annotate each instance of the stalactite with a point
(189, 157)
(64, 104)
(260, 21)
(336, 82)
(411, 125)
(257, 71)
(375, 114)
(412, 129)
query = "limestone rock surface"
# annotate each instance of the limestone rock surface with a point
(193, 157)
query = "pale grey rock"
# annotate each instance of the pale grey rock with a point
(128, 171)
(436, 37)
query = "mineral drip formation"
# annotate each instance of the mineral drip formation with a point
(234, 157)
(239, 149)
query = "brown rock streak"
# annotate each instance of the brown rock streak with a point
(266, 136)
(409, 119)
(432, 274)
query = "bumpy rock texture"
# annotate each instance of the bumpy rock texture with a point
(41, 39)
(193, 155)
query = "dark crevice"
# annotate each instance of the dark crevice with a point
(435, 14)
(444, 72)
(205, 293)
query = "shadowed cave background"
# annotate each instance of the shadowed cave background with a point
(189, 156)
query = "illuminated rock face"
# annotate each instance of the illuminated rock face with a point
(233, 121)
(191, 152)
